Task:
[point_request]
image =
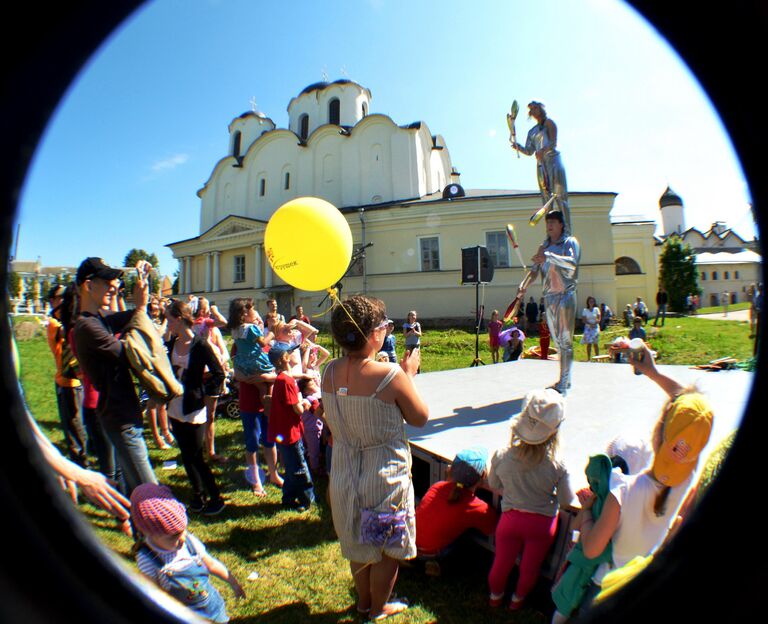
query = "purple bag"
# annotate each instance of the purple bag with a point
(384, 529)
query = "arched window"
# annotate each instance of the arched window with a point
(287, 181)
(236, 144)
(703, 276)
(714, 275)
(627, 266)
(334, 111)
(365, 109)
(262, 187)
(727, 275)
(735, 275)
(304, 127)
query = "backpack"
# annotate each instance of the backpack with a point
(148, 359)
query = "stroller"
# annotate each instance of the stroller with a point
(229, 401)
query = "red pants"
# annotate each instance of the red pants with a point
(544, 347)
(520, 530)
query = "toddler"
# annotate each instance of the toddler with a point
(250, 359)
(494, 328)
(174, 558)
(532, 482)
(313, 426)
(449, 508)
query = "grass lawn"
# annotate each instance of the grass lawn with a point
(302, 576)
(732, 307)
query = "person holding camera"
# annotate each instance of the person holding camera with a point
(102, 358)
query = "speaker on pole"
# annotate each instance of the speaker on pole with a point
(476, 265)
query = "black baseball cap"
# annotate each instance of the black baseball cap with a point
(96, 267)
(555, 214)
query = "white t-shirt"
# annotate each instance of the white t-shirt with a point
(590, 316)
(640, 531)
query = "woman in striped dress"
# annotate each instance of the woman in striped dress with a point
(367, 404)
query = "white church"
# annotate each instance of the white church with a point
(398, 189)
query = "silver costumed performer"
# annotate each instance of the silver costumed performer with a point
(558, 262)
(550, 173)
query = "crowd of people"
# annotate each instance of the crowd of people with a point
(347, 423)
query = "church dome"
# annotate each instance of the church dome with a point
(670, 198)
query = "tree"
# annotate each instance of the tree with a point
(134, 255)
(677, 272)
(14, 285)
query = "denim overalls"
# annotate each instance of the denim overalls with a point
(191, 585)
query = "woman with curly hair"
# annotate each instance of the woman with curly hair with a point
(367, 404)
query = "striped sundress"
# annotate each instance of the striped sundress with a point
(371, 468)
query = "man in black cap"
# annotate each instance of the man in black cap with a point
(102, 358)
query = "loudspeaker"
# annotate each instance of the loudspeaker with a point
(470, 266)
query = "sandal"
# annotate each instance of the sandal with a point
(391, 608)
(169, 437)
(160, 443)
(258, 491)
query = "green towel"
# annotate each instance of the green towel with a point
(569, 591)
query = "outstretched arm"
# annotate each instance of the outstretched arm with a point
(647, 366)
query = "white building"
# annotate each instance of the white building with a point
(725, 261)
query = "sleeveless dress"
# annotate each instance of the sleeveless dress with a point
(371, 469)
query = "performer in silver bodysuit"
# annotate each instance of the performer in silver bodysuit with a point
(558, 262)
(542, 141)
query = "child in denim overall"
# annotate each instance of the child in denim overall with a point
(173, 558)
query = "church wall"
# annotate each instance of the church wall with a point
(635, 240)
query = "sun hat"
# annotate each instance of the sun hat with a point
(469, 465)
(155, 510)
(543, 411)
(635, 451)
(685, 433)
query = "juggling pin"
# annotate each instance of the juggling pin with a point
(539, 214)
(513, 239)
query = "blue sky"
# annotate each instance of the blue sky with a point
(142, 127)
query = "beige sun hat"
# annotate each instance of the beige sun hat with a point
(543, 411)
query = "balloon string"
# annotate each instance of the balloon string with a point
(335, 301)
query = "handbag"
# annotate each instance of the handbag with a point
(383, 529)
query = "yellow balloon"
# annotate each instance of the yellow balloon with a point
(308, 243)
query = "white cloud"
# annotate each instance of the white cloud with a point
(170, 163)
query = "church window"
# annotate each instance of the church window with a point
(498, 249)
(430, 253)
(236, 144)
(735, 275)
(714, 275)
(287, 181)
(703, 276)
(627, 266)
(334, 111)
(365, 109)
(262, 187)
(726, 275)
(304, 127)
(239, 269)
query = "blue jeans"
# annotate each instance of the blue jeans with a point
(255, 431)
(661, 312)
(297, 488)
(131, 456)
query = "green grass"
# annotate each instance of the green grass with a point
(744, 305)
(302, 575)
